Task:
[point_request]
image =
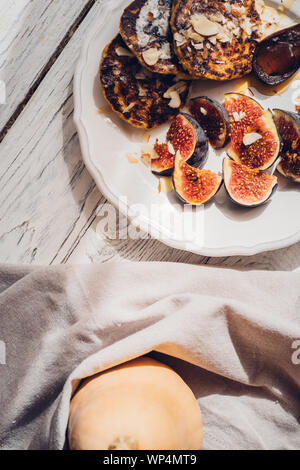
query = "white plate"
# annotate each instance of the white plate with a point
(222, 229)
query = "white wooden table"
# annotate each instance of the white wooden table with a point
(49, 204)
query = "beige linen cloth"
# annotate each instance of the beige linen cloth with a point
(229, 334)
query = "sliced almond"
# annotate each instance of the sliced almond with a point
(142, 91)
(128, 108)
(223, 36)
(203, 111)
(175, 100)
(171, 148)
(213, 40)
(250, 138)
(121, 51)
(151, 55)
(148, 149)
(204, 26)
(198, 46)
(180, 40)
(179, 87)
(236, 116)
(217, 16)
(191, 34)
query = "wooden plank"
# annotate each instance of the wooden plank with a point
(50, 208)
(45, 187)
(30, 33)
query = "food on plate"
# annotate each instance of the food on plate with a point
(194, 186)
(146, 30)
(140, 405)
(216, 39)
(288, 124)
(185, 135)
(277, 57)
(254, 138)
(141, 98)
(250, 188)
(213, 118)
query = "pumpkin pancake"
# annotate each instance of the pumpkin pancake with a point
(216, 39)
(140, 97)
(145, 28)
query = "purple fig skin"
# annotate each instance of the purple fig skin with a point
(199, 157)
(286, 38)
(294, 119)
(223, 116)
(200, 153)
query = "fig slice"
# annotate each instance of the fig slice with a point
(213, 118)
(249, 119)
(277, 57)
(194, 186)
(184, 135)
(288, 124)
(248, 188)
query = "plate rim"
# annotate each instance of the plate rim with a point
(233, 250)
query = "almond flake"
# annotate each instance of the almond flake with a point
(204, 26)
(142, 91)
(175, 100)
(203, 111)
(236, 116)
(171, 148)
(151, 55)
(180, 40)
(213, 40)
(198, 46)
(195, 36)
(250, 138)
(121, 51)
(148, 149)
(179, 87)
(128, 108)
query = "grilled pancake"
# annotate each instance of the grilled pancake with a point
(140, 97)
(216, 39)
(146, 30)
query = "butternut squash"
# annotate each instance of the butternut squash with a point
(142, 405)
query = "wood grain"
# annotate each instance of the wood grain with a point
(32, 34)
(50, 208)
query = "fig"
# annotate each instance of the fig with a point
(184, 135)
(213, 118)
(277, 57)
(194, 186)
(288, 124)
(254, 138)
(248, 188)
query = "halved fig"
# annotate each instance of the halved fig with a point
(277, 57)
(194, 186)
(288, 124)
(249, 188)
(254, 138)
(213, 118)
(185, 135)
